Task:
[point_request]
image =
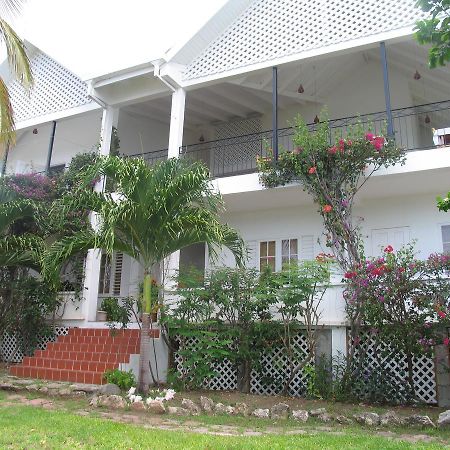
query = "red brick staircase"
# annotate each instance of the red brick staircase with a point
(82, 356)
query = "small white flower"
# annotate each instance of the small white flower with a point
(131, 397)
(159, 399)
(170, 394)
(132, 391)
(137, 398)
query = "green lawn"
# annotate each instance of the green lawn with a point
(35, 428)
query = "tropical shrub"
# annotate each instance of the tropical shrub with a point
(125, 380)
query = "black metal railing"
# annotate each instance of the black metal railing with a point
(237, 155)
(151, 157)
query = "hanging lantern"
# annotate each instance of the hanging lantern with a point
(201, 138)
(300, 89)
(316, 119)
(417, 75)
(35, 131)
(427, 119)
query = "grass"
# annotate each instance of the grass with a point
(35, 428)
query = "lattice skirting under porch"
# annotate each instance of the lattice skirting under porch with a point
(10, 350)
(380, 356)
(268, 379)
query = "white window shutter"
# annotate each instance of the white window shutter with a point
(117, 281)
(306, 247)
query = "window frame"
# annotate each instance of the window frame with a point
(278, 250)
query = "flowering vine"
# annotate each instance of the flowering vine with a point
(333, 172)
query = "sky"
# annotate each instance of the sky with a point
(95, 37)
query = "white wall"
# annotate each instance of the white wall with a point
(74, 135)
(417, 215)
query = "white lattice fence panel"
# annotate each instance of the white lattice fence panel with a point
(380, 356)
(268, 379)
(10, 350)
(226, 374)
(274, 370)
(55, 89)
(270, 29)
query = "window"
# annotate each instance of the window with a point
(382, 237)
(445, 230)
(267, 255)
(289, 251)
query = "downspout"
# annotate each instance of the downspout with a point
(50, 148)
(157, 73)
(275, 112)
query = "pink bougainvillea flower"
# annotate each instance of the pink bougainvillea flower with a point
(442, 314)
(389, 249)
(446, 341)
(349, 143)
(350, 275)
(369, 136)
(378, 142)
(332, 150)
(327, 208)
(312, 170)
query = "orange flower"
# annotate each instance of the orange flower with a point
(312, 170)
(327, 208)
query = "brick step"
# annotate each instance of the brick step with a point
(93, 348)
(76, 376)
(68, 364)
(105, 332)
(105, 340)
(84, 356)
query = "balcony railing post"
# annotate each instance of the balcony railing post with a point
(387, 93)
(275, 112)
(50, 148)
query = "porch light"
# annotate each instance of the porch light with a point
(427, 119)
(300, 89)
(417, 75)
(316, 119)
(201, 138)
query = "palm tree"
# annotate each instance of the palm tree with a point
(154, 212)
(19, 65)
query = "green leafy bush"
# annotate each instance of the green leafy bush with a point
(125, 380)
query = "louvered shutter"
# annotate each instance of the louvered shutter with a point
(306, 247)
(252, 254)
(117, 279)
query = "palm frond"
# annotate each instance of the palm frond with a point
(14, 210)
(25, 250)
(7, 125)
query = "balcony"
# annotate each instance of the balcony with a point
(414, 129)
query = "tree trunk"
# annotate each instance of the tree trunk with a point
(144, 357)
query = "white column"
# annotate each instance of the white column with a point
(93, 259)
(172, 263)
(176, 122)
(338, 343)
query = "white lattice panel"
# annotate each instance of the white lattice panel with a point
(55, 89)
(10, 352)
(380, 356)
(268, 379)
(236, 152)
(270, 29)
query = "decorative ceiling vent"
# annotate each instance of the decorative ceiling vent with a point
(271, 29)
(55, 89)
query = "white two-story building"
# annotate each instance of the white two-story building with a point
(248, 71)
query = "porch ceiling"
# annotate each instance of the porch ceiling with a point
(251, 94)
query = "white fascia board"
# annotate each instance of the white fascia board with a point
(58, 115)
(121, 76)
(342, 47)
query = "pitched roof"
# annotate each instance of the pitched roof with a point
(270, 29)
(55, 89)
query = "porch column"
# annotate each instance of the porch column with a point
(50, 148)
(387, 93)
(176, 123)
(93, 259)
(172, 263)
(275, 112)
